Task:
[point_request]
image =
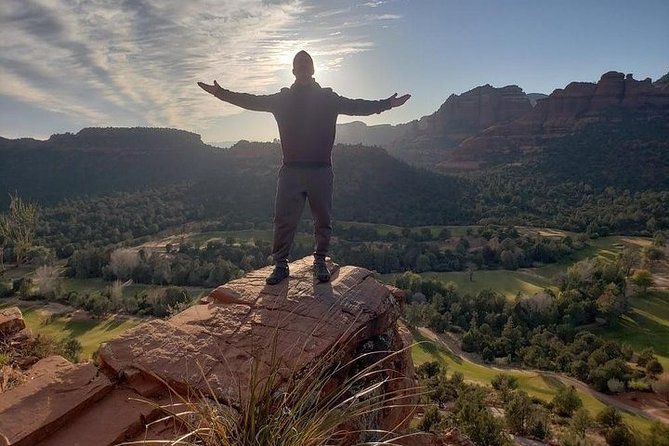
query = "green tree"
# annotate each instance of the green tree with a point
(431, 419)
(654, 368)
(566, 401)
(609, 417)
(503, 382)
(471, 414)
(642, 278)
(518, 412)
(580, 422)
(72, 349)
(619, 436)
(429, 369)
(19, 226)
(645, 356)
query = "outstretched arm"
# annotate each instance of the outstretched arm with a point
(362, 107)
(244, 100)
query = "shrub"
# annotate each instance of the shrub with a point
(619, 436)
(580, 422)
(654, 368)
(431, 419)
(71, 349)
(609, 417)
(639, 385)
(615, 385)
(566, 401)
(5, 290)
(539, 423)
(428, 369)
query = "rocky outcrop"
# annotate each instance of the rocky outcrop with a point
(38, 408)
(562, 113)
(11, 322)
(460, 117)
(480, 108)
(212, 349)
(489, 125)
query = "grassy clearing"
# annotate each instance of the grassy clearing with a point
(529, 281)
(647, 325)
(382, 229)
(535, 384)
(89, 332)
(98, 285)
(509, 283)
(243, 236)
(12, 273)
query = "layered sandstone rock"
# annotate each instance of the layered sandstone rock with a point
(38, 408)
(564, 112)
(423, 141)
(211, 349)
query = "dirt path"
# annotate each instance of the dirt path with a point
(449, 342)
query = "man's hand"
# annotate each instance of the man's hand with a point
(211, 89)
(395, 101)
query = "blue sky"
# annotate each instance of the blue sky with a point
(69, 64)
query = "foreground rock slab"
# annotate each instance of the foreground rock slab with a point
(37, 408)
(211, 346)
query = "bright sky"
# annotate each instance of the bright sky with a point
(69, 64)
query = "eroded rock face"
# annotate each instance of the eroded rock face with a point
(562, 113)
(424, 141)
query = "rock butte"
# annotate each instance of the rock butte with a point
(211, 348)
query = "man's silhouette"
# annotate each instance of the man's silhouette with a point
(307, 116)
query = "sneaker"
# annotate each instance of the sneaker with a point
(280, 272)
(321, 272)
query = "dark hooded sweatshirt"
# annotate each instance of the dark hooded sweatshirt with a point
(307, 118)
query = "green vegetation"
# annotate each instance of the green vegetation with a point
(508, 283)
(647, 324)
(18, 228)
(536, 384)
(89, 332)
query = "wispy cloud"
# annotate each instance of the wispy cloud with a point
(107, 61)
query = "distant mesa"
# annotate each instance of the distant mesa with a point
(565, 111)
(460, 117)
(123, 138)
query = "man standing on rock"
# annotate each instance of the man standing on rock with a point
(307, 117)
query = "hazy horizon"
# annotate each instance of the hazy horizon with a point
(67, 65)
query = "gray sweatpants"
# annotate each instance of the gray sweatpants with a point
(294, 186)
